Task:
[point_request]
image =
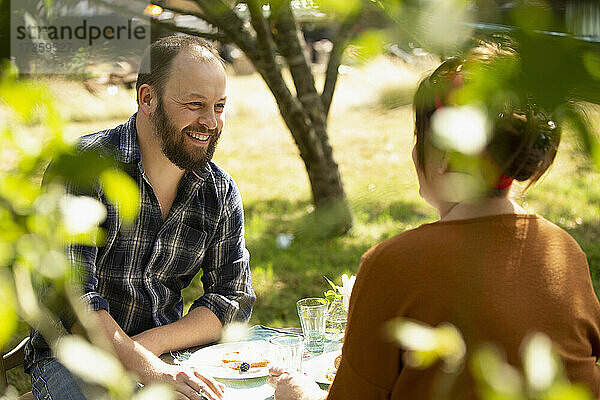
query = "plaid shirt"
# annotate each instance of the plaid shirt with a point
(139, 273)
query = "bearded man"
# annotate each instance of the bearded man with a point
(191, 219)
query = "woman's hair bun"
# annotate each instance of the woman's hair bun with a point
(524, 143)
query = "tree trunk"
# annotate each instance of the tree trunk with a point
(332, 210)
(308, 124)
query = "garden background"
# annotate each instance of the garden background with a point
(371, 132)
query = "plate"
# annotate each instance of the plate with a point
(210, 359)
(318, 367)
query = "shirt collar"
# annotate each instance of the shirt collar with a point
(129, 151)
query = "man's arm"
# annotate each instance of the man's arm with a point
(198, 327)
(135, 357)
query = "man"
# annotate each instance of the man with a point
(191, 218)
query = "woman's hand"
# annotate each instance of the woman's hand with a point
(292, 385)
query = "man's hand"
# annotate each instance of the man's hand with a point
(188, 383)
(292, 385)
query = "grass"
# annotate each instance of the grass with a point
(372, 145)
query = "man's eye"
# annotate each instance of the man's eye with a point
(220, 106)
(194, 104)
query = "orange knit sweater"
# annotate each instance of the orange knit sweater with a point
(496, 278)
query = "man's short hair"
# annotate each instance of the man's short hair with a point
(158, 57)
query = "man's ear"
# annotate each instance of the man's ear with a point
(146, 99)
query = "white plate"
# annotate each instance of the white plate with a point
(210, 359)
(318, 367)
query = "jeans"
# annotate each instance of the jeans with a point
(50, 380)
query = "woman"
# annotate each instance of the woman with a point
(487, 266)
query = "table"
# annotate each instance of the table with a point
(254, 388)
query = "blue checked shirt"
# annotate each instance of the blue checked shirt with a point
(139, 273)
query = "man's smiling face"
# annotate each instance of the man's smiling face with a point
(189, 115)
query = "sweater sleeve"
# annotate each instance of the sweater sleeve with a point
(578, 343)
(370, 363)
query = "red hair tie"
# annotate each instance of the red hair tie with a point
(504, 182)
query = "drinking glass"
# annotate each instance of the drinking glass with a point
(335, 322)
(312, 312)
(288, 351)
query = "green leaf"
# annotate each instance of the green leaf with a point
(81, 170)
(421, 359)
(333, 285)
(566, 391)
(95, 237)
(28, 101)
(7, 253)
(541, 366)
(535, 14)
(591, 60)
(75, 353)
(121, 190)
(441, 25)
(366, 46)
(330, 296)
(338, 7)
(10, 230)
(582, 127)
(20, 192)
(8, 317)
(494, 375)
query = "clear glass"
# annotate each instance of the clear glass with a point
(288, 351)
(335, 322)
(312, 312)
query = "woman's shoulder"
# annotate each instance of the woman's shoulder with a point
(550, 233)
(412, 240)
(421, 239)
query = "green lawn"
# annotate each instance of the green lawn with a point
(372, 147)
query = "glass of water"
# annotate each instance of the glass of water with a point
(312, 312)
(288, 351)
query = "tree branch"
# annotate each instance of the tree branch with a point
(263, 32)
(289, 42)
(219, 37)
(168, 25)
(268, 66)
(187, 12)
(223, 17)
(335, 57)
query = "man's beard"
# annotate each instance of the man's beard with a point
(173, 141)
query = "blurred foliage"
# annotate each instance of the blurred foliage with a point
(366, 46)
(554, 70)
(331, 294)
(337, 8)
(543, 377)
(425, 345)
(39, 219)
(557, 70)
(395, 97)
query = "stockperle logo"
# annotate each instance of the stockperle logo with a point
(64, 40)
